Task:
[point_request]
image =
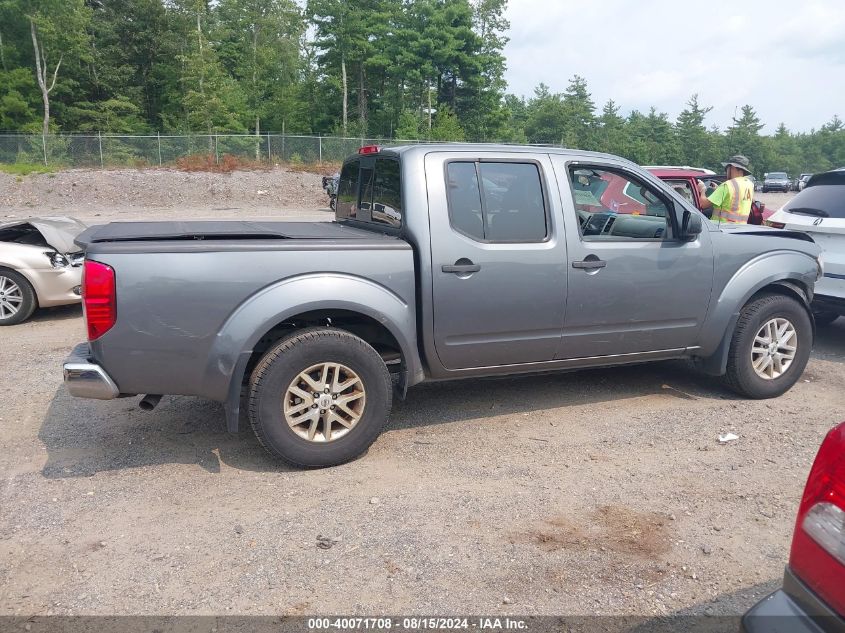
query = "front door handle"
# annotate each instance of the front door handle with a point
(590, 263)
(461, 269)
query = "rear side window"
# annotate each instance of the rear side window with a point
(496, 202)
(347, 190)
(823, 201)
(370, 191)
(386, 193)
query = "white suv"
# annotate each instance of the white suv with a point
(819, 210)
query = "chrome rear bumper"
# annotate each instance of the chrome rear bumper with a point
(86, 379)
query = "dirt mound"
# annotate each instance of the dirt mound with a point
(90, 192)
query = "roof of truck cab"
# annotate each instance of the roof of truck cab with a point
(427, 148)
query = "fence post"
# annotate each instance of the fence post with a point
(283, 140)
(321, 150)
(159, 148)
(100, 141)
(216, 155)
(269, 156)
(44, 147)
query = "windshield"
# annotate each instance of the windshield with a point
(777, 175)
(824, 201)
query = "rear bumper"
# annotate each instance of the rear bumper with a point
(86, 379)
(793, 609)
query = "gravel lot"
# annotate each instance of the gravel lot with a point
(604, 491)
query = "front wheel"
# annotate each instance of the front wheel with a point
(319, 398)
(770, 347)
(17, 298)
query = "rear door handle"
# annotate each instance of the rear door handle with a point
(460, 268)
(589, 264)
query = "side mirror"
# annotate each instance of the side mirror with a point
(691, 226)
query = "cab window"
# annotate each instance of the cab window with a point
(613, 205)
(497, 202)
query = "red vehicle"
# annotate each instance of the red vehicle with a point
(684, 180)
(812, 599)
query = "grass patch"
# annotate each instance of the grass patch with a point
(25, 169)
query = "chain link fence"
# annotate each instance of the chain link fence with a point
(112, 150)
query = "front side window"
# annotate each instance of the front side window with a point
(613, 205)
(496, 202)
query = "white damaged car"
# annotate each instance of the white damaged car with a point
(40, 266)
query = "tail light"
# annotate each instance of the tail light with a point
(369, 149)
(98, 298)
(818, 545)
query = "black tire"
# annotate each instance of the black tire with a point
(283, 363)
(825, 317)
(27, 293)
(741, 376)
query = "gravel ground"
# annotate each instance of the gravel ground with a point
(598, 492)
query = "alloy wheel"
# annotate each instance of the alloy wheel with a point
(11, 298)
(324, 402)
(774, 348)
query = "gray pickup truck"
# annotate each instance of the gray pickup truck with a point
(443, 262)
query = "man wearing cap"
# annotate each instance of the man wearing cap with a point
(731, 201)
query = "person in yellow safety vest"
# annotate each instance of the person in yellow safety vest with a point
(731, 201)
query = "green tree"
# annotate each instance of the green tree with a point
(546, 117)
(578, 115)
(743, 137)
(695, 146)
(57, 30)
(446, 126)
(611, 133)
(212, 99)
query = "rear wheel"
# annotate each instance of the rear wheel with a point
(770, 347)
(319, 398)
(17, 298)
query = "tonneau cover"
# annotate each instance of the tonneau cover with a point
(220, 230)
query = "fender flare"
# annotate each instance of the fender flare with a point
(261, 312)
(798, 282)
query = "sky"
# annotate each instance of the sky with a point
(786, 59)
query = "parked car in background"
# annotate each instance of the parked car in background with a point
(802, 181)
(776, 181)
(40, 266)
(812, 599)
(819, 210)
(445, 261)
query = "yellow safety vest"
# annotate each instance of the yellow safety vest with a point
(732, 201)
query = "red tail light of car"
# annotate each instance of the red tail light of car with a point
(98, 298)
(818, 544)
(369, 149)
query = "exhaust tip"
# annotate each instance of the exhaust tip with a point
(149, 402)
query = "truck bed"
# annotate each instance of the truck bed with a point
(189, 294)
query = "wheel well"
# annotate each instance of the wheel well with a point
(362, 326)
(786, 288)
